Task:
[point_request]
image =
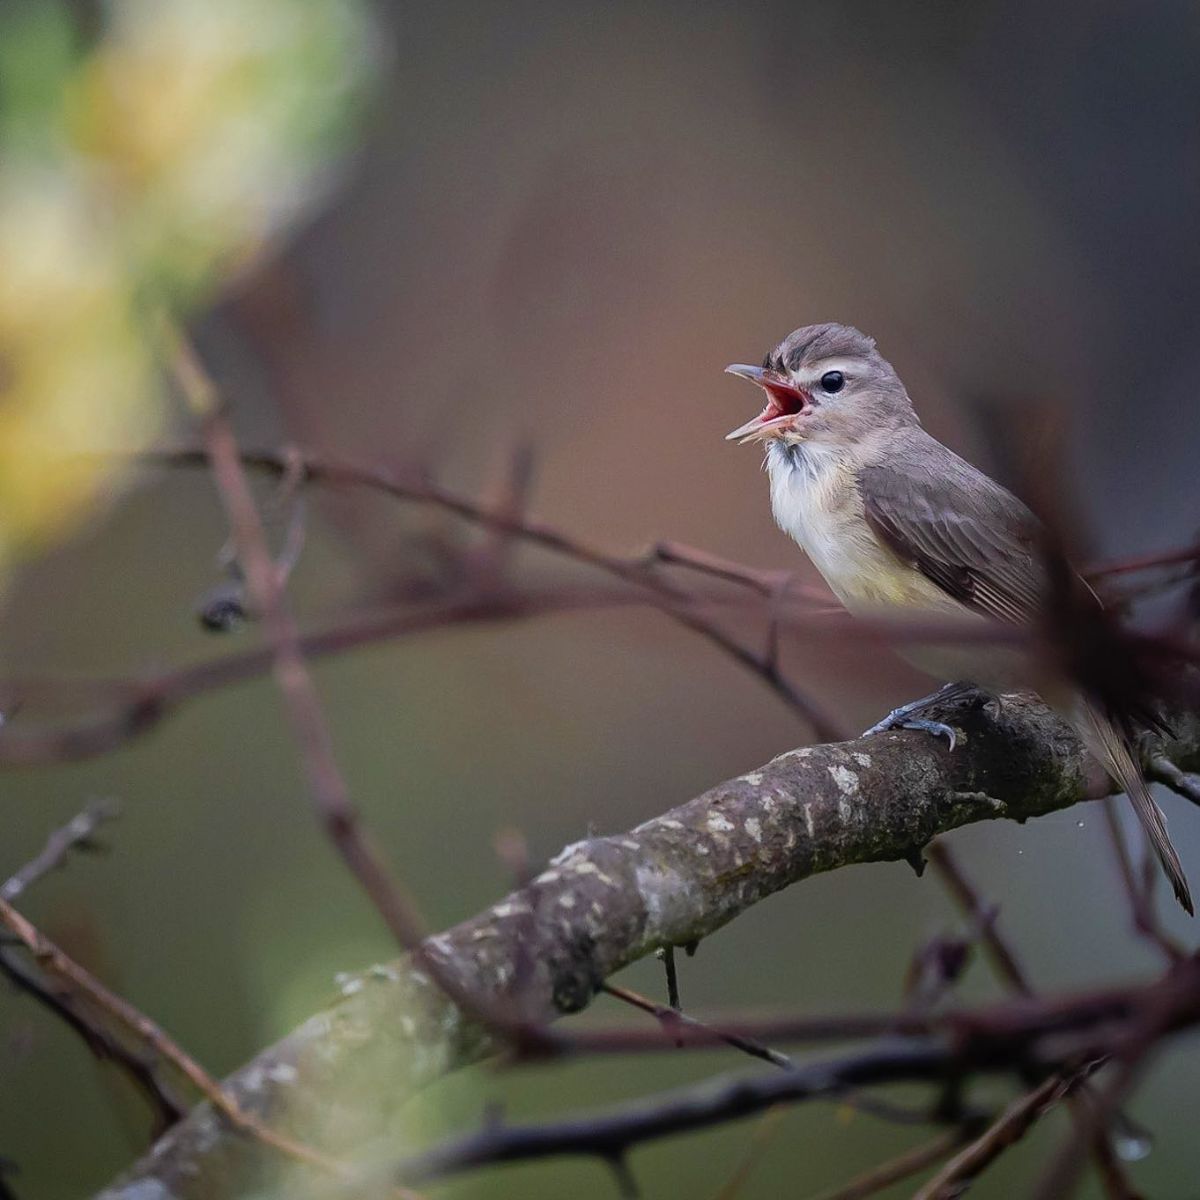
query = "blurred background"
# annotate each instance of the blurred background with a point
(462, 227)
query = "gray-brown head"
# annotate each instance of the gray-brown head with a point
(825, 383)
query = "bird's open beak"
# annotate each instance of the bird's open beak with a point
(785, 402)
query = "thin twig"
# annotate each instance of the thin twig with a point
(610, 1136)
(165, 1103)
(1141, 907)
(137, 705)
(897, 1169)
(671, 1018)
(764, 1132)
(56, 962)
(1012, 1125)
(78, 833)
(336, 810)
(1145, 562)
(331, 798)
(1060, 1178)
(638, 571)
(1162, 770)
(1001, 954)
(667, 953)
(703, 562)
(1008, 967)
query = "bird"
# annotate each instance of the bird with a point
(901, 527)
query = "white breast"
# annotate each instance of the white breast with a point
(815, 499)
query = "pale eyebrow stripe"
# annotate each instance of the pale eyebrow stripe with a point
(810, 374)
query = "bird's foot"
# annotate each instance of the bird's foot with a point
(898, 718)
(907, 716)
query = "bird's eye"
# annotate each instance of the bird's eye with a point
(832, 381)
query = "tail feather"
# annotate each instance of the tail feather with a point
(1113, 749)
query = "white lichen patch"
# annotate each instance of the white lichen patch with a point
(754, 828)
(669, 823)
(315, 1030)
(206, 1129)
(282, 1073)
(845, 811)
(441, 943)
(753, 778)
(717, 823)
(590, 868)
(846, 780)
(863, 760)
(802, 752)
(809, 823)
(148, 1188)
(566, 900)
(569, 852)
(353, 986)
(251, 1079)
(672, 902)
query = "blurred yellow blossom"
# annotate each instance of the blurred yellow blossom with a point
(136, 173)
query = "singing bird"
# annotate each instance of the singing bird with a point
(901, 526)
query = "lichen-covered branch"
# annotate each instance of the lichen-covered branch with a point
(339, 1081)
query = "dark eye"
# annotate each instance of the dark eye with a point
(832, 381)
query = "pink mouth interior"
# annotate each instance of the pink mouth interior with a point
(782, 402)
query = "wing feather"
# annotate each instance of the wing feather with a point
(960, 529)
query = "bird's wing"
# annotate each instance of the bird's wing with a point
(960, 529)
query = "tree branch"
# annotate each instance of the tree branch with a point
(79, 833)
(608, 901)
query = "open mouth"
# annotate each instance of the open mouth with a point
(785, 403)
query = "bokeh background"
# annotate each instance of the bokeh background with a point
(555, 223)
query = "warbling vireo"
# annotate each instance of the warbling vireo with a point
(899, 525)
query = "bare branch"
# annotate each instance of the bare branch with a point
(166, 1105)
(764, 1133)
(338, 814)
(1161, 769)
(608, 901)
(509, 521)
(1138, 892)
(79, 833)
(54, 960)
(671, 1018)
(1002, 956)
(131, 707)
(611, 1135)
(902, 1167)
(1012, 1125)
(1012, 973)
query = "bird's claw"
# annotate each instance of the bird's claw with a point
(937, 728)
(902, 718)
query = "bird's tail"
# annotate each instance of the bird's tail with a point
(1112, 747)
